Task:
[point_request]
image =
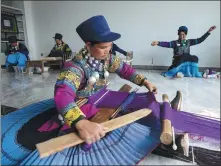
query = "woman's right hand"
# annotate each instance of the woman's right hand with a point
(154, 43)
(90, 132)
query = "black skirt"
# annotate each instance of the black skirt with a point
(177, 60)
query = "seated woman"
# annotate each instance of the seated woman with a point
(87, 75)
(17, 54)
(60, 48)
(183, 61)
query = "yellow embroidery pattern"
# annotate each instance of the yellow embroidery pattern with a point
(72, 115)
(138, 79)
(70, 76)
(115, 65)
(78, 57)
(60, 47)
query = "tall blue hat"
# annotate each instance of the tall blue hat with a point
(183, 29)
(96, 29)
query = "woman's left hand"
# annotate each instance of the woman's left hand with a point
(212, 28)
(151, 87)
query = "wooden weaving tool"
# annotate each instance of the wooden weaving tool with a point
(60, 143)
(104, 114)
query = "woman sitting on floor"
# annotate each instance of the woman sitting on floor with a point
(17, 54)
(183, 61)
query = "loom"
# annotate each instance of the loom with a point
(165, 115)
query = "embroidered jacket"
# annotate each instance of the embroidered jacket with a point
(180, 48)
(73, 82)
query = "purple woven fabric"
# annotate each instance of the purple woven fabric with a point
(166, 112)
(182, 121)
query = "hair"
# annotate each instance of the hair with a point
(93, 42)
(182, 31)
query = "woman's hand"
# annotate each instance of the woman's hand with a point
(129, 54)
(151, 87)
(90, 132)
(154, 43)
(211, 28)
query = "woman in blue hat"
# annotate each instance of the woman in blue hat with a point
(88, 73)
(183, 61)
(83, 77)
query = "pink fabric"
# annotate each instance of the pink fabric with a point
(49, 126)
(126, 72)
(68, 64)
(64, 95)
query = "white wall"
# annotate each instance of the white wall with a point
(138, 22)
(31, 30)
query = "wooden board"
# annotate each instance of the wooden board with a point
(51, 58)
(104, 114)
(60, 143)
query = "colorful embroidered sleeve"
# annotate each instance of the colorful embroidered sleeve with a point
(66, 87)
(171, 44)
(125, 71)
(199, 40)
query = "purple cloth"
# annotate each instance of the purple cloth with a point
(86, 147)
(166, 112)
(184, 121)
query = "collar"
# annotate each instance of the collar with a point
(95, 64)
(62, 43)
